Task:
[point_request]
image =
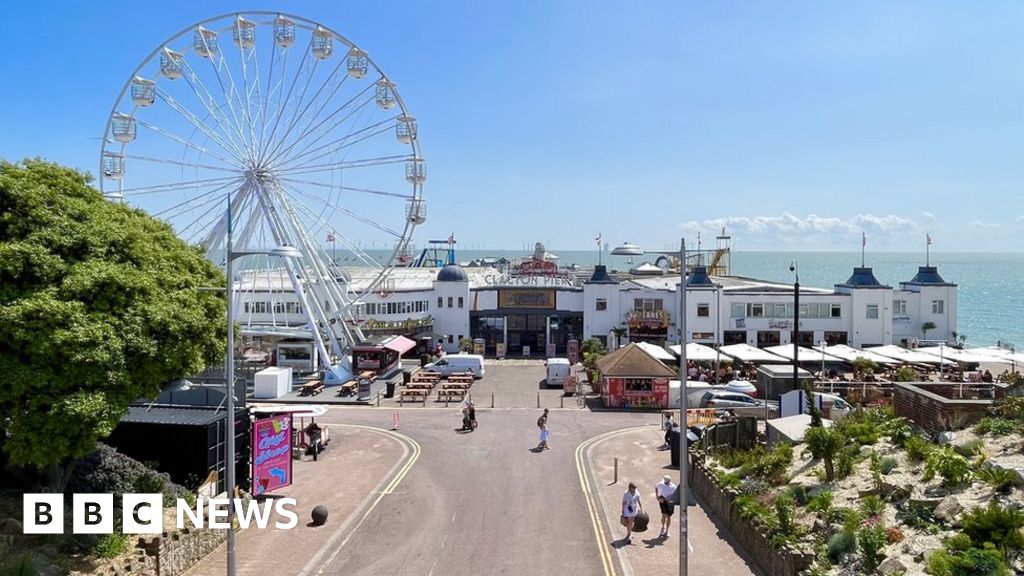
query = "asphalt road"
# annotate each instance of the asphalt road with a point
(481, 502)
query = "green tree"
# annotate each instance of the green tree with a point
(98, 307)
(812, 406)
(825, 444)
(862, 366)
(929, 325)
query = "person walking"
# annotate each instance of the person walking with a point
(663, 491)
(542, 423)
(630, 508)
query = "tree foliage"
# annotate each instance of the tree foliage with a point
(98, 307)
(825, 444)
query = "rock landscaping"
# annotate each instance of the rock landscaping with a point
(872, 495)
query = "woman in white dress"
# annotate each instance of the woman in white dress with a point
(630, 508)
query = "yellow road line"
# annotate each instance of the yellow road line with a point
(409, 443)
(598, 526)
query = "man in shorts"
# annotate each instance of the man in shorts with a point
(663, 491)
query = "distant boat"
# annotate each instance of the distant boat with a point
(627, 249)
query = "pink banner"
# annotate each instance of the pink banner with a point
(271, 453)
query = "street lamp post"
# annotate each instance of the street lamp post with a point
(684, 452)
(796, 323)
(230, 384)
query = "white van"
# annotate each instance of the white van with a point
(458, 363)
(558, 369)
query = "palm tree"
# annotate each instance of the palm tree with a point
(929, 325)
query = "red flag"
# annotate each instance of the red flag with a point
(598, 239)
(929, 238)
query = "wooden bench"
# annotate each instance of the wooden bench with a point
(451, 394)
(417, 395)
(348, 388)
(311, 388)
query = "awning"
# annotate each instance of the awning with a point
(806, 354)
(696, 352)
(851, 354)
(965, 356)
(400, 344)
(656, 351)
(747, 353)
(911, 356)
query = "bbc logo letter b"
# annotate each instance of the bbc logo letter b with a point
(43, 513)
(92, 514)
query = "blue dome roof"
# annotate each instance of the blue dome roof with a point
(699, 277)
(928, 275)
(452, 273)
(862, 278)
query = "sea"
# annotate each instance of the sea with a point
(991, 286)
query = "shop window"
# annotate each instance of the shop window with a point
(601, 305)
(734, 336)
(834, 338)
(768, 338)
(703, 310)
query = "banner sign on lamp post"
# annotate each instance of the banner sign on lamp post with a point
(271, 453)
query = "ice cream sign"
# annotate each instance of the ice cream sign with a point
(271, 454)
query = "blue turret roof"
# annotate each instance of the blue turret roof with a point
(452, 273)
(601, 276)
(699, 277)
(928, 275)
(862, 278)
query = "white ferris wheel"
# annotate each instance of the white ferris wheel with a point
(287, 132)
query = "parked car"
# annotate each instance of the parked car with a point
(834, 407)
(743, 387)
(740, 404)
(453, 363)
(557, 369)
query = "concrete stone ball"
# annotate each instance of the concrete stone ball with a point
(319, 515)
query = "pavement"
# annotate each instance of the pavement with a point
(428, 500)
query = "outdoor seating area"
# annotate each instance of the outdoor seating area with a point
(423, 383)
(311, 388)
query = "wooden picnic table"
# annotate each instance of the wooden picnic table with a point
(456, 386)
(416, 394)
(348, 388)
(419, 386)
(461, 377)
(426, 375)
(369, 375)
(313, 387)
(450, 393)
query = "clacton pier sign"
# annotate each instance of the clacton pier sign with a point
(531, 281)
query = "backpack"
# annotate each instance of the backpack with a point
(540, 422)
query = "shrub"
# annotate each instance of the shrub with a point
(732, 458)
(871, 540)
(897, 430)
(887, 465)
(995, 524)
(1000, 479)
(852, 520)
(865, 433)
(799, 493)
(970, 448)
(845, 462)
(872, 506)
(905, 374)
(770, 464)
(750, 508)
(917, 448)
(1011, 407)
(753, 486)
(108, 471)
(821, 502)
(995, 426)
(727, 479)
(970, 562)
(841, 544)
(952, 467)
(784, 513)
(110, 545)
(920, 518)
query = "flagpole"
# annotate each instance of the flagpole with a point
(863, 244)
(928, 250)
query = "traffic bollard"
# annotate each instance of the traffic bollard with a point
(615, 480)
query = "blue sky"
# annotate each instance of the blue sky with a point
(796, 125)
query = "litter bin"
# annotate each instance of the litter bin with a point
(673, 442)
(389, 392)
(406, 376)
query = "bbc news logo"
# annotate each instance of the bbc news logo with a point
(144, 513)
